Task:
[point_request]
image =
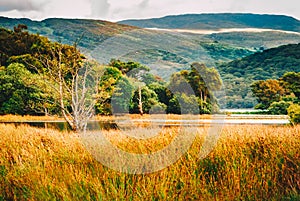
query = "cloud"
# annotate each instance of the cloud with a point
(132, 9)
(99, 8)
(144, 4)
(20, 5)
(125, 9)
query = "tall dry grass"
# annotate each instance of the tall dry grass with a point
(20, 118)
(248, 163)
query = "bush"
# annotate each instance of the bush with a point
(294, 113)
(277, 108)
(159, 108)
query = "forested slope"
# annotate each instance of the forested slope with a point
(269, 64)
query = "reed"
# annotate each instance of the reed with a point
(248, 163)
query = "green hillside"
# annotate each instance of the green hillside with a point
(218, 21)
(271, 63)
(164, 52)
(91, 32)
(239, 74)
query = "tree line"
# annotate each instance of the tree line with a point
(279, 96)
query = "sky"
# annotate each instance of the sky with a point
(115, 10)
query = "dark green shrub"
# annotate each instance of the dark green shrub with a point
(294, 113)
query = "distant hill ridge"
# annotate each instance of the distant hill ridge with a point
(219, 21)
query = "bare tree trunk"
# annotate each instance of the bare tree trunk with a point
(140, 106)
(61, 101)
(201, 101)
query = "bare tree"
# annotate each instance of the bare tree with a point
(140, 105)
(74, 80)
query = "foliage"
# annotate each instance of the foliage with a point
(278, 108)
(269, 64)
(294, 113)
(58, 80)
(117, 88)
(164, 52)
(196, 86)
(127, 67)
(267, 92)
(291, 81)
(121, 97)
(149, 100)
(34, 51)
(107, 84)
(277, 95)
(18, 42)
(223, 52)
(21, 91)
(121, 82)
(163, 93)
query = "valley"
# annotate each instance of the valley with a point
(170, 44)
(142, 109)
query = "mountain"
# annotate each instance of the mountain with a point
(219, 21)
(164, 51)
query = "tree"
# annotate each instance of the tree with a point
(106, 87)
(291, 81)
(267, 92)
(20, 91)
(19, 42)
(163, 93)
(199, 81)
(294, 113)
(277, 108)
(148, 98)
(127, 67)
(188, 103)
(74, 81)
(121, 96)
(205, 81)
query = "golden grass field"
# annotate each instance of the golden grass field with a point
(248, 163)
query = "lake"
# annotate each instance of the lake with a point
(234, 119)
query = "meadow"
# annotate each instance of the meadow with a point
(248, 163)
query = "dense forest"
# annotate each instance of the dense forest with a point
(39, 77)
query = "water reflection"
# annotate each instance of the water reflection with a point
(124, 124)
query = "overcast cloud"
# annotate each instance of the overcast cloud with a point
(127, 9)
